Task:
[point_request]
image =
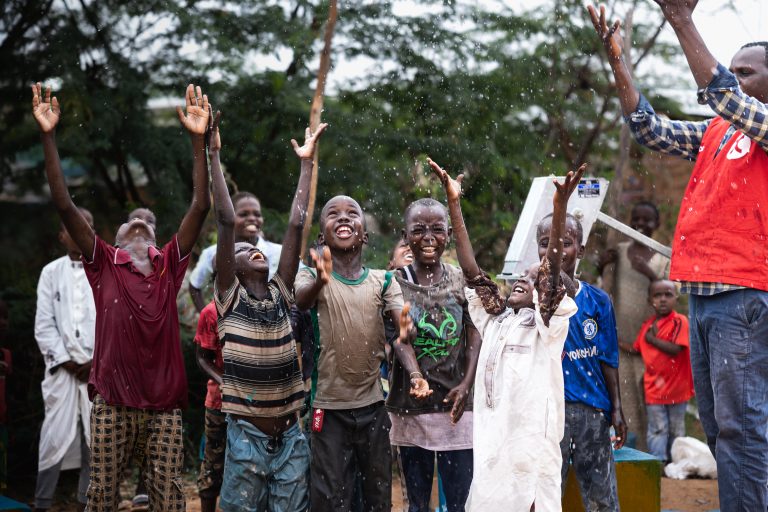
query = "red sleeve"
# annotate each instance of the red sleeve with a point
(681, 332)
(207, 336)
(103, 255)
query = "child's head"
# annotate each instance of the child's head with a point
(248, 218)
(72, 249)
(342, 225)
(426, 230)
(644, 218)
(401, 256)
(662, 295)
(250, 263)
(144, 214)
(521, 292)
(573, 237)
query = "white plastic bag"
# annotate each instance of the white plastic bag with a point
(691, 457)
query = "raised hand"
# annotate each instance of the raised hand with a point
(610, 36)
(213, 136)
(46, 110)
(452, 187)
(196, 118)
(307, 151)
(323, 264)
(677, 11)
(564, 190)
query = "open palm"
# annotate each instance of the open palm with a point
(196, 118)
(452, 187)
(307, 151)
(46, 110)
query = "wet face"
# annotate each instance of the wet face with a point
(401, 256)
(644, 220)
(521, 295)
(250, 261)
(572, 248)
(341, 222)
(751, 71)
(248, 219)
(427, 233)
(663, 297)
(144, 214)
(136, 230)
(72, 249)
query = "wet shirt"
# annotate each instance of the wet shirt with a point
(262, 376)
(591, 340)
(137, 361)
(207, 337)
(668, 378)
(350, 336)
(440, 315)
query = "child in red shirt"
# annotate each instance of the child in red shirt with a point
(663, 344)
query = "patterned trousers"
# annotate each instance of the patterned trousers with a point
(153, 438)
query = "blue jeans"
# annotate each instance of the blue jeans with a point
(262, 473)
(665, 424)
(729, 357)
(455, 468)
(586, 446)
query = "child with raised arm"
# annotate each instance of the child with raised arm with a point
(267, 455)
(350, 426)
(663, 344)
(518, 408)
(137, 380)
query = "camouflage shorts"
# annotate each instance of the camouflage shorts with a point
(212, 468)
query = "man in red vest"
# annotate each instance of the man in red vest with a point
(720, 249)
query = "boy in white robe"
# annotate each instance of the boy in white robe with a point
(65, 323)
(519, 397)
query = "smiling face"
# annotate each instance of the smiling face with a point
(135, 230)
(250, 262)
(663, 296)
(644, 219)
(521, 295)
(248, 219)
(751, 70)
(572, 248)
(401, 256)
(427, 232)
(342, 226)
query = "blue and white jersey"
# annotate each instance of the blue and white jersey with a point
(591, 340)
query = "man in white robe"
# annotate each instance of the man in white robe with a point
(65, 323)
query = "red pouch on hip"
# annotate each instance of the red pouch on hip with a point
(317, 420)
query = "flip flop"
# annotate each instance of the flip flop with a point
(140, 502)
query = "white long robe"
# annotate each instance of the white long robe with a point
(519, 409)
(65, 323)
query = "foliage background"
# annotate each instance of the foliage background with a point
(498, 93)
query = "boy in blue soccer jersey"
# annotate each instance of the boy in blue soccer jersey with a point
(590, 372)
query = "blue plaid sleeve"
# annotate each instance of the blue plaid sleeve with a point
(744, 112)
(676, 138)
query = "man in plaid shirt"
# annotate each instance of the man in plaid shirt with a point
(720, 252)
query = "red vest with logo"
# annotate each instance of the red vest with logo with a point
(722, 228)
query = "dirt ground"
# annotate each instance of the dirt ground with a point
(677, 495)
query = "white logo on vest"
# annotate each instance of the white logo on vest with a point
(740, 148)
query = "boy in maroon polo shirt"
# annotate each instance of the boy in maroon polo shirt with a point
(137, 383)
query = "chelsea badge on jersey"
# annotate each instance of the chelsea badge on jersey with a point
(590, 328)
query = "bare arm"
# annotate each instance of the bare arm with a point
(464, 250)
(611, 376)
(196, 122)
(307, 295)
(289, 257)
(225, 214)
(405, 353)
(47, 113)
(679, 14)
(197, 297)
(458, 395)
(629, 96)
(205, 360)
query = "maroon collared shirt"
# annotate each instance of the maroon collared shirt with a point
(137, 361)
